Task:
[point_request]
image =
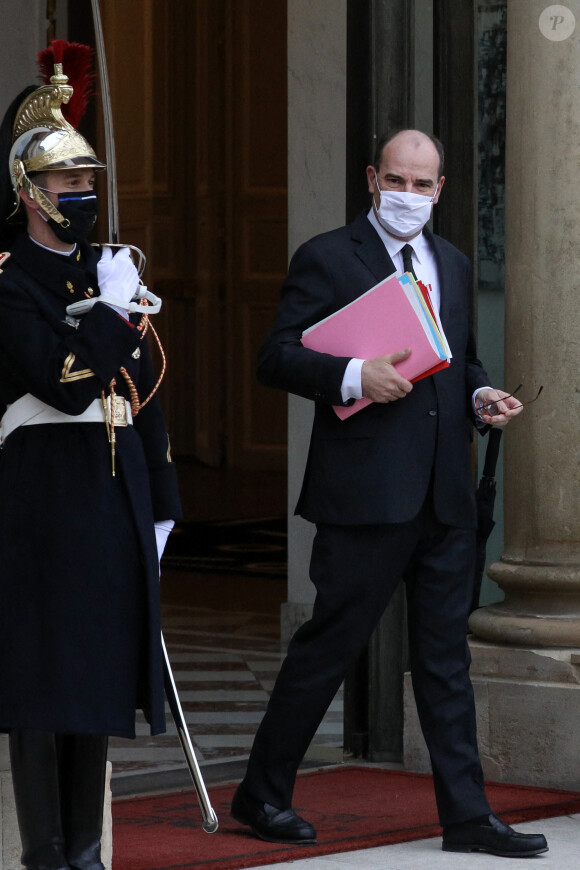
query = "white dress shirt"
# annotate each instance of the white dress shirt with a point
(425, 269)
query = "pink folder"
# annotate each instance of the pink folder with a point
(380, 321)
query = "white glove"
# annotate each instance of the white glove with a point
(118, 278)
(162, 529)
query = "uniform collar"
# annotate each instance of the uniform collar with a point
(73, 277)
(53, 251)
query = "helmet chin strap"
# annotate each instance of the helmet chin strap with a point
(47, 206)
(37, 195)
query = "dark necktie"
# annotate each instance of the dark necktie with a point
(407, 252)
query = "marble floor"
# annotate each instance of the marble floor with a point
(562, 834)
(225, 659)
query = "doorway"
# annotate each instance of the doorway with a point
(198, 89)
(199, 104)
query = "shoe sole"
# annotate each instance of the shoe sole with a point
(478, 848)
(307, 842)
(243, 821)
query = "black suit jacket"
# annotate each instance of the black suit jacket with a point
(375, 466)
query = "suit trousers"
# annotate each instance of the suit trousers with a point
(355, 570)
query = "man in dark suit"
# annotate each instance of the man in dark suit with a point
(390, 490)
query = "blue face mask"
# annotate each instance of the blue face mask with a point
(79, 208)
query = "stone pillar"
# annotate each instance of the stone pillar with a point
(316, 202)
(526, 653)
(539, 570)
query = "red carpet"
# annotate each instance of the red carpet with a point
(351, 808)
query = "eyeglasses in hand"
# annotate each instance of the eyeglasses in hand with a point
(493, 410)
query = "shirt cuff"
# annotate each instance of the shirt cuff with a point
(474, 396)
(162, 530)
(351, 387)
(122, 311)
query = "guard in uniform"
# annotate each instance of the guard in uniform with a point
(88, 491)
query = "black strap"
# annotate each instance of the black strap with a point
(492, 451)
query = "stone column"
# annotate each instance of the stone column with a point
(526, 652)
(316, 202)
(539, 570)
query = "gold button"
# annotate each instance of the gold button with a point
(90, 291)
(71, 289)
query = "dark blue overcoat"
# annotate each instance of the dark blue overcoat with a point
(79, 583)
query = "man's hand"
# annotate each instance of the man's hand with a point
(496, 407)
(381, 381)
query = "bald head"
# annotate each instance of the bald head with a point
(413, 140)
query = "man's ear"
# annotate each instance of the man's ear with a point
(371, 179)
(25, 198)
(27, 201)
(440, 184)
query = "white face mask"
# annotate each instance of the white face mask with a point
(403, 214)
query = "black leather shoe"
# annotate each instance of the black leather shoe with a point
(492, 836)
(269, 823)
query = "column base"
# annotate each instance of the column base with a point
(542, 602)
(528, 708)
(503, 624)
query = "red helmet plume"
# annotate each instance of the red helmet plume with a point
(76, 60)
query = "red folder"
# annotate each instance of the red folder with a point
(380, 321)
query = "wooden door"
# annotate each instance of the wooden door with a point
(256, 222)
(199, 101)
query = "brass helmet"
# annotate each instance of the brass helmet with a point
(42, 139)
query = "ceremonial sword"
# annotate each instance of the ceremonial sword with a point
(210, 821)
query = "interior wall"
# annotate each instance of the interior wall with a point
(22, 36)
